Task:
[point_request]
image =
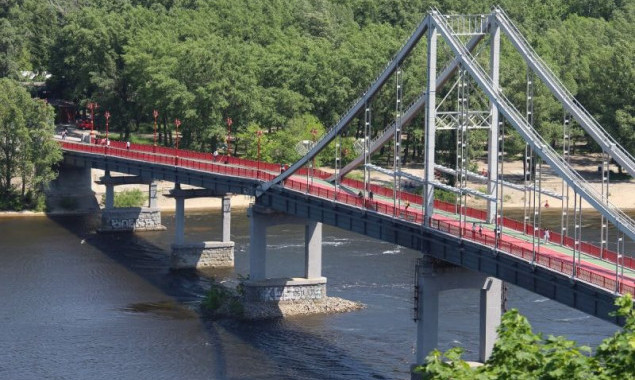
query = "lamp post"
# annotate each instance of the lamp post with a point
(177, 122)
(229, 133)
(107, 115)
(259, 133)
(155, 113)
(92, 106)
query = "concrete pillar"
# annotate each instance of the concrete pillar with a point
(227, 217)
(430, 125)
(490, 316)
(257, 246)
(313, 249)
(152, 195)
(110, 196)
(492, 148)
(179, 236)
(428, 307)
(434, 277)
(110, 192)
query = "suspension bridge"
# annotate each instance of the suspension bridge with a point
(559, 265)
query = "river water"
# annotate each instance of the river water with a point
(81, 305)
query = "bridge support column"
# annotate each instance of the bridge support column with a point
(260, 288)
(110, 192)
(227, 217)
(434, 277)
(490, 316)
(152, 195)
(128, 218)
(198, 255)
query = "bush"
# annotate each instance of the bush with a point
(128, 198)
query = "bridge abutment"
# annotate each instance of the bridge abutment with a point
(260, 288)
(71, 191)
(434, 277)
(198, 255)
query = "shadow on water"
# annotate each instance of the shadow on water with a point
(286, 349)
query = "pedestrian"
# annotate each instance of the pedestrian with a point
(64, 135)
(498, 232)
(128, 145)
(215, 154)
(473, 229)
(547, 235)
(480, 230)
(370, 195)
(407, 205)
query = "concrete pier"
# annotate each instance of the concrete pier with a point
(198, 255)
(114, 219)
(310, 285)
(434, 277)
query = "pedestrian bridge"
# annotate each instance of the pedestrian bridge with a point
(561, 267)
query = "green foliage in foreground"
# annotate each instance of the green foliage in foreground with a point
(27, 150)
(521, 354)
(128, 198)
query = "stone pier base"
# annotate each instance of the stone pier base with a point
(207, 254)
(285, 289)
(131, 219)
(279, 298)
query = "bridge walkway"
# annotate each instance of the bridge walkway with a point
(554, 256)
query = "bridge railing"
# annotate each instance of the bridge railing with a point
(561, 263)
(605, 278)
(585, 247)
(240, 167)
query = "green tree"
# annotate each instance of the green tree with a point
(519, 353)
(27, 150)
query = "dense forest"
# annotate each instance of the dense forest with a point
(290, 67)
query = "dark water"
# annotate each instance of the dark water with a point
(78, 305)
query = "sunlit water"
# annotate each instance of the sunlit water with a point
(80, 305)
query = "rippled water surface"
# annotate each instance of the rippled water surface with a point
(80, 305)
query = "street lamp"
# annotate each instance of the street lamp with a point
(155, 113)
(92, 106)
(229, 132)
(259, 133)
(107, 115)
(177, 122)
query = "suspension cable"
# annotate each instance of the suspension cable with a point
(604, 230)
(499, 175)
(461, 146)
(397, 144)
(367, 130)
(566, 155)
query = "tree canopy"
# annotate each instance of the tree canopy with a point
(27, 151)
(267, 63)
(519, 353)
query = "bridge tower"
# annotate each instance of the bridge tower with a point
(206, 254)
